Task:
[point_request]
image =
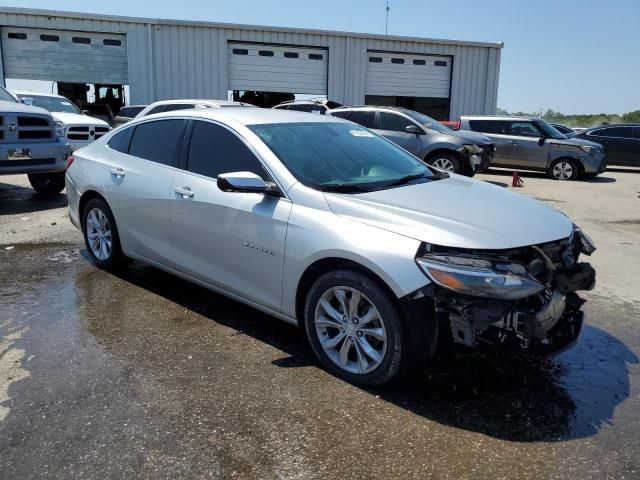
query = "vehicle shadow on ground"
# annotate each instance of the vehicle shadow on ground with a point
(569, 397)
(602, 178)
(15, 200)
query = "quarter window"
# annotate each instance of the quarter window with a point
(121, 140)
(394, 122)
(214, 150)
(157, 141)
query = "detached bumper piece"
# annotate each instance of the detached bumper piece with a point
(540, 325)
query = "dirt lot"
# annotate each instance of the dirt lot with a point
(144, 375)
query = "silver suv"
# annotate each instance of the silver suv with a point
(30, 143)
(326, 225)
(532, 144)
(426, 138)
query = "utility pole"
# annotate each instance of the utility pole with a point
(386, 23)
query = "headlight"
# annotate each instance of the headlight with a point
(479, 277)
(473, 148)
(587, 246)
(59, 128)
(589, 149)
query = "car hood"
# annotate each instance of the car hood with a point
(574, 142)
(78, 119)
(11, 107)
(474, 137)
(456, 212)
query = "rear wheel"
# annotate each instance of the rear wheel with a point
(445, 161)
(354, 328)
(564, 169)
(101, 235)
(47, 183)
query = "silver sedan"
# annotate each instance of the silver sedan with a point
(381, 260)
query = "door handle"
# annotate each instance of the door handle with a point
(184, 192)
(118, 172)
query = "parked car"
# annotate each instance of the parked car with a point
(563, 128)
(173, 105)
(532, 144)
(101, 111)
(427, 139)
(309, 106)
(127, 114)
(326, 225)
(79, 129)
(621, 142)
(30, 143)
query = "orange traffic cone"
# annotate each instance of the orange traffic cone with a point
(516, 180)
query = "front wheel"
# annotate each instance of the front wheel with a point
(354, 328)
(564, 169)
(47, 183)
(445, 161)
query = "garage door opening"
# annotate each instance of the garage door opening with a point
(418, 82)
(266, 75)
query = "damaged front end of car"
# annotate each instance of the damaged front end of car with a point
(520, 300)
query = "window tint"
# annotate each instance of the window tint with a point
(50, 38)
(179, 106)
(616, 132)
(157, 141)
(636, 133)
(84, 40)
(291, 55)
(440, 63)
(265, 53)
(240, 51)
(397, 60)
(130, 112)
(375, 59)
(120, 141)
(363, 117)
(498, 127)
(214, 150)
(158, 109)
(111, 42)
(419, 62)
(315, 56)
(17, 36)
(394, 122)
(524, 129)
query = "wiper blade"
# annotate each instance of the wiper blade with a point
(410, 178)
(343, 188)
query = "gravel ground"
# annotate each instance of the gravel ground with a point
(144, 375)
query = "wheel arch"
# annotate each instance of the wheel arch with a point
(576, 161)
(87, 196)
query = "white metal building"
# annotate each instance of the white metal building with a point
(161, 59)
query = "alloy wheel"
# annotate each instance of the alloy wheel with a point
(99, 234)
(350, 330)
(444, 164)
(562, 171)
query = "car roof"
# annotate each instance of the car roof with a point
(498, 117)
(372, 107)
(609, 125)
(249, 116)
(201, 101)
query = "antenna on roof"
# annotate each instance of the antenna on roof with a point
(386, 23)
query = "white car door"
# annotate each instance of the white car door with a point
(232, 240)
(138, 183)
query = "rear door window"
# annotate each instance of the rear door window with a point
(366, 118)
(496, 127)
(179, 106)
(214, 150)
(157, 141)
(394, 122)
(525, 129)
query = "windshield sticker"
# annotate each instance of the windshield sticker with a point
(361, 133)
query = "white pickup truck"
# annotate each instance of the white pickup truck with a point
(29, 143)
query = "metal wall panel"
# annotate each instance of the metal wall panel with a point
(172, 59)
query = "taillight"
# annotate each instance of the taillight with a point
(70, 159)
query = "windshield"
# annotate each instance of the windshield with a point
(549, 131)
(53, 104)
(428, 122)
(340, 156)
(6, 96)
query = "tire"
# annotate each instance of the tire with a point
(47, 183)
(366, 348)
(564, 169)
(98, 225)
(445, 161)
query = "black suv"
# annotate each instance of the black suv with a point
(621, 142)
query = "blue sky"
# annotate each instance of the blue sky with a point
(573, 56)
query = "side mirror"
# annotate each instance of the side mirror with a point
(86, 112)
(27, 101)
(246, 182)
(413, 129)
(542, 140)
